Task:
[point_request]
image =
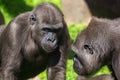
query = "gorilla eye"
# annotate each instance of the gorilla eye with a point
(50, 30)
(47, 29)
(86, 46)
(33, 19)
(89, 48)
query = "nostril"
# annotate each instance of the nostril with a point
(48, 39)
(51, 39)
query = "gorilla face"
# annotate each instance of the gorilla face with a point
(92, 48)
(86, 58)
(49, 42)
(46, 30)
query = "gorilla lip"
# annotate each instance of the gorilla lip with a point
(77, 65)
(77, 62)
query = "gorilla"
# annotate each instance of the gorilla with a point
(33, 42)
(96, 46)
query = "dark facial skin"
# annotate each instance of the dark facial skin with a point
(96, 46)
(34, 41)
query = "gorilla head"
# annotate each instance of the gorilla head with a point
(96, 46)
(47, 26)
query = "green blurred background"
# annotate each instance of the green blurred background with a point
(12, 8)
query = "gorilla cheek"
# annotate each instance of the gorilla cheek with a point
(49, 42)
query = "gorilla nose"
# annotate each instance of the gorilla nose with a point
(51, 39)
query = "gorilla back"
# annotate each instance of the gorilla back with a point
(34, 41)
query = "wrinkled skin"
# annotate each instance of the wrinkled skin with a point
(34, 41)
(96, 46)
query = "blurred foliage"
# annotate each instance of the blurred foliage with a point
(75, 29)
(12, 8)
(103, 70)
(70, 75)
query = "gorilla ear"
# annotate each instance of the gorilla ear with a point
(116, 65)
(32, 19)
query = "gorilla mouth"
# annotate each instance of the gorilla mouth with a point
(77, 61)
(78, 66)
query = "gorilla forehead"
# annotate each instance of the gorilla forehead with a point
(48, 13)
(96, 30)
(95, 34)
